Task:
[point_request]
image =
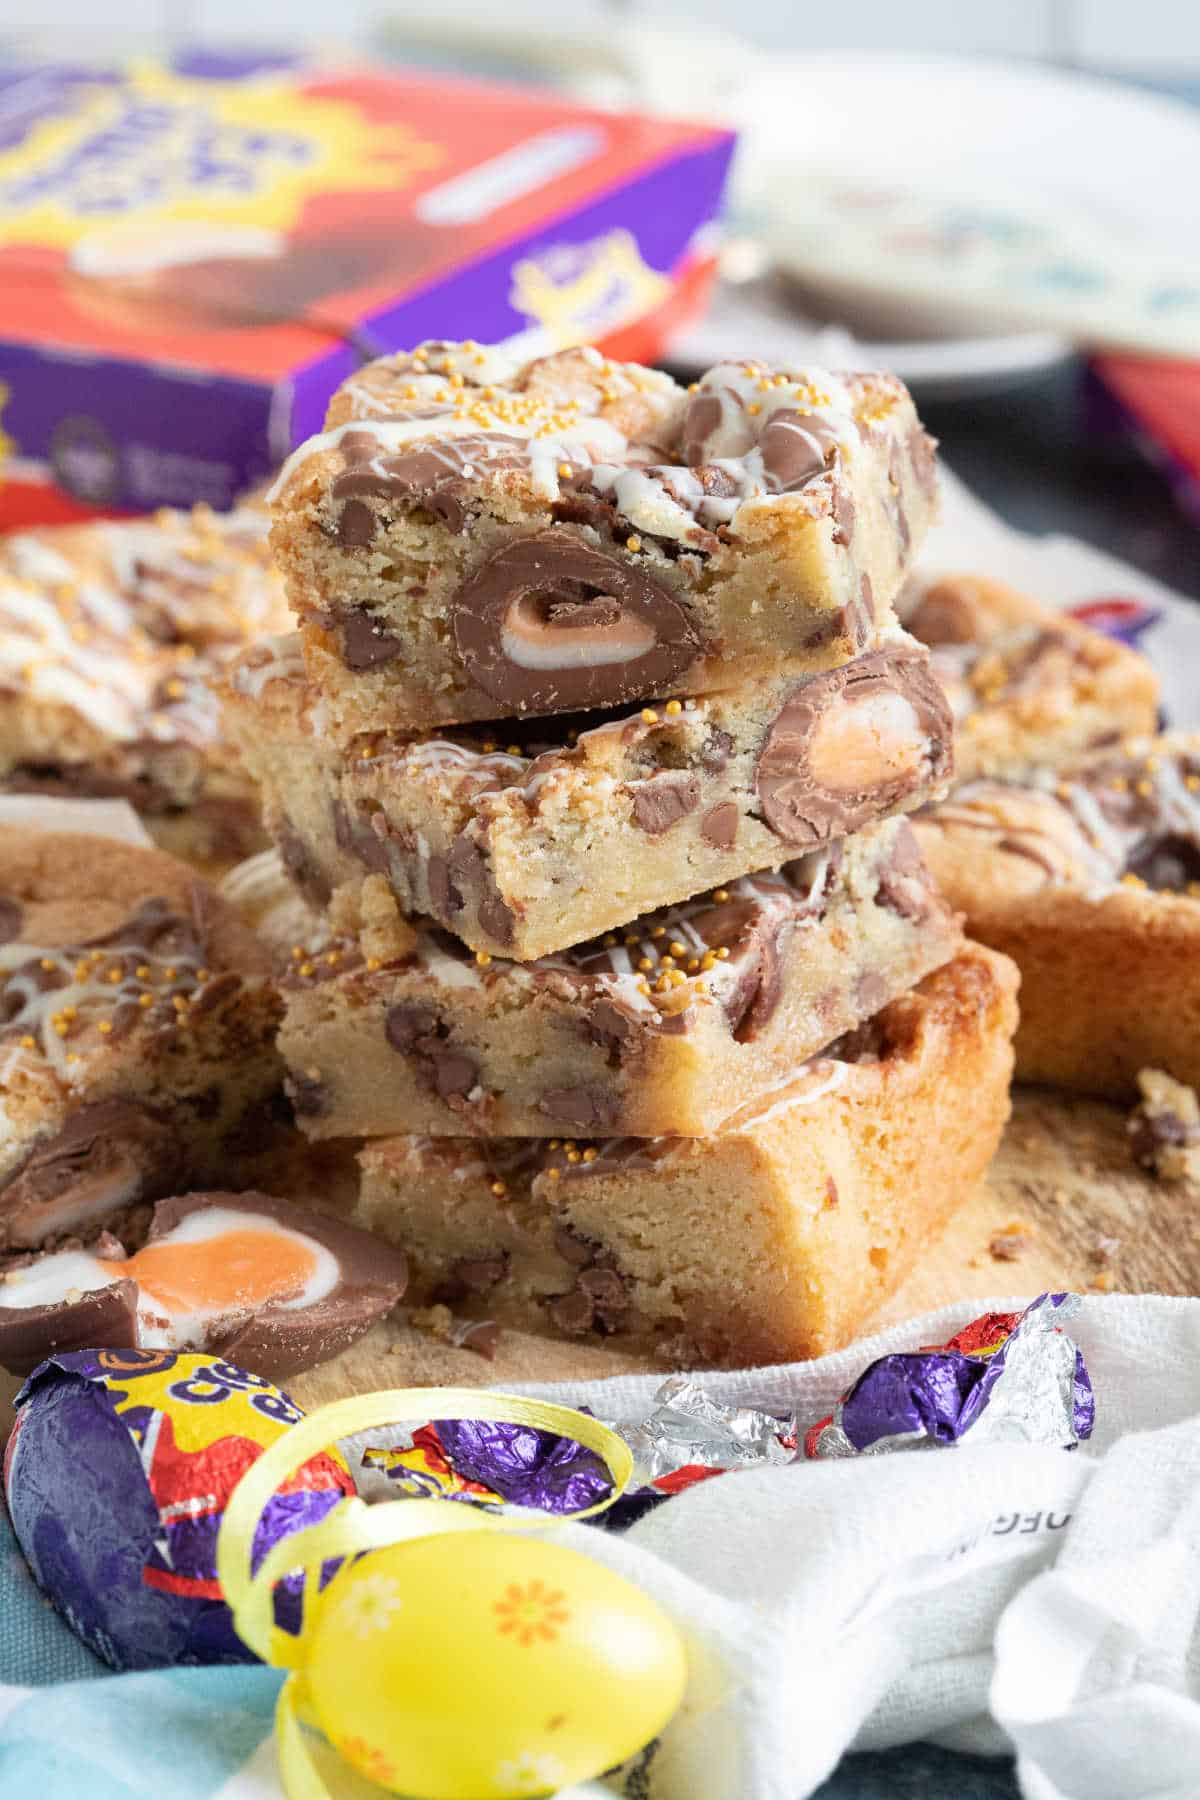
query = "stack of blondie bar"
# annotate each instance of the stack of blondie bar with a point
(594, 744)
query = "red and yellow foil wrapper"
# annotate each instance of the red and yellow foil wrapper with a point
(117, 1476)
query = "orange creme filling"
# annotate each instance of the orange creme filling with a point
(234, 1268)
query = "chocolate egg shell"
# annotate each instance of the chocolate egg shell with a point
(117, 1475)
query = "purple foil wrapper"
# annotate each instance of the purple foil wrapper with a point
(1000, 1381)
(524, 1466)
(118, 1519)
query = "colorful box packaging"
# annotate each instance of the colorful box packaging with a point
(193, 256)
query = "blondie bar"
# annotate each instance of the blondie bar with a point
(110, 637)
(1028, 686)
(1090, 880)
(137, 1026)
(477, 538)
(559, 830)
(668, 1026)
(767, 1242)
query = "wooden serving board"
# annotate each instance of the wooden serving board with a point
(1087, 1218)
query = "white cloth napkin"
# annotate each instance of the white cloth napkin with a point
(1008, 1596)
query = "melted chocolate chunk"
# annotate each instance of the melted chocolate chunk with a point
(420, 1032)
(587, 1109)
(365, 644)
(662, 801)
(794, 803)
(438, 478)
(297, 860)
(904, 885)
(795, 448)
(469, 872)
(548, 623)
(719, 826)
(356, 526)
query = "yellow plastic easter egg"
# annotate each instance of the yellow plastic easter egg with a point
(486, 1666)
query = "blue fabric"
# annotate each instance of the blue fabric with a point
(180, 1734)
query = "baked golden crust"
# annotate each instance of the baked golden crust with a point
(1028, 686)
(137, 1025)
(473, 538)
(110, 637)
(668, 1026)
(548, 833)
(768, 1241)
(1090, 881)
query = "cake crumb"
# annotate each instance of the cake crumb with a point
(1104, 1282)
(1164, 1128)
(1011, 1242)
(1104, 1249)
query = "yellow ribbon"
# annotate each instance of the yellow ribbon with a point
(353, 1526)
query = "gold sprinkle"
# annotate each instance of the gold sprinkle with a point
(1119, 784)
(489, 746)
(307, 968)
(61, 1028)
(720, 895)
(645, 964)
(104, 1027)
(564, 469)
(297, 953)
(723, 953)
(499, 1189)
(1192, 783)
(649, 716)
(569, 1144)
(72, 1058)
(709, 961)
(673, 708)
(482, 958)
(553, 1174)
(145, 1000)
(70, 1012)
(1132, 881)
(180, 1002)
(610, 939)
(643, 986)
(48, 963)
(514, 750)
(333, 957)
(676, 977)
(170, 974)
(175, 690)
(678, 949)
(373, 963)
(659, 931)
(1144, 788)
(28, 1043)
(590, 1154)
(630, 939)
(115, 975)
(693, 965)
(573, 1156)
(633, 543)
(754, 408)
(142, 971)
(556, 1143)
